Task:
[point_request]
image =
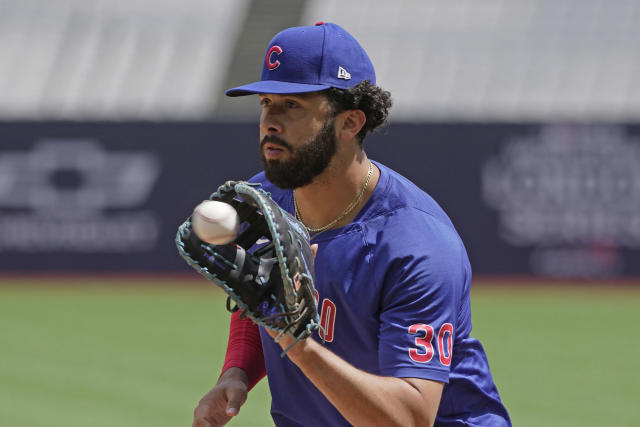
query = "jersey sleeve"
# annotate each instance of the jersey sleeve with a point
(426, 272)
(244, 349)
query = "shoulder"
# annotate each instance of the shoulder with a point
(402, 193)
(408, 212)
(412, 233)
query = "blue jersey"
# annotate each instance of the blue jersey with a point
(393, 289)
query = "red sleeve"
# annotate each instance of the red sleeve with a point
(244, 349)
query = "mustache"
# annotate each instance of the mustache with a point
(273, 139)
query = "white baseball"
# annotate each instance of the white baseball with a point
(215, 222)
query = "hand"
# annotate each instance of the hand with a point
(223, 401)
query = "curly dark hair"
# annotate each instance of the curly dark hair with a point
(371, 99)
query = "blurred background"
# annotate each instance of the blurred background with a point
(521, 118)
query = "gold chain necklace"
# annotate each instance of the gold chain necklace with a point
(346, 212)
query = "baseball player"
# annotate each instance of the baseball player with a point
(392, 274)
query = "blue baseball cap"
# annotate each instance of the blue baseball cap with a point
(310, 59)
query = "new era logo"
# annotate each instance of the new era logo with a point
(343, 74)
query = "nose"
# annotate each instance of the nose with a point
(270, 123)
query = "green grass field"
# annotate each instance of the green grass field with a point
(112, 353)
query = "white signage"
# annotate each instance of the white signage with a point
(75, 195)
(567, 186)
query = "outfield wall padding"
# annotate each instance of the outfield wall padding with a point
(550, 200)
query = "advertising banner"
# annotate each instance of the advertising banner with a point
(83, 197)
(549, 200)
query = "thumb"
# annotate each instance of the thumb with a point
(235, 399)
(314, 249)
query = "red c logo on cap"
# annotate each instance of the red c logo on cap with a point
(277, 50)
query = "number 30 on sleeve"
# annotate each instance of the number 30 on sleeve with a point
(423, 350)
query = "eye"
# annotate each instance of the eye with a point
(265, 101)
(292, 104)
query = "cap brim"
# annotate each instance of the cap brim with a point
(273, 86)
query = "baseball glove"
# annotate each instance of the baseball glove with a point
(272, 284)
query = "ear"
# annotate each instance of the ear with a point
(349, 123)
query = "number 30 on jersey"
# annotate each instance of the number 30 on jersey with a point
(424, 350)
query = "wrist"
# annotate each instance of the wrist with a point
(234, 373)
(298, 352)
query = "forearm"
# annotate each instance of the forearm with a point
(362, 398)
(244, 350)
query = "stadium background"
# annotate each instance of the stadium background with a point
(521, 118)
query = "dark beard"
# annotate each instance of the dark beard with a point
(306, 162)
